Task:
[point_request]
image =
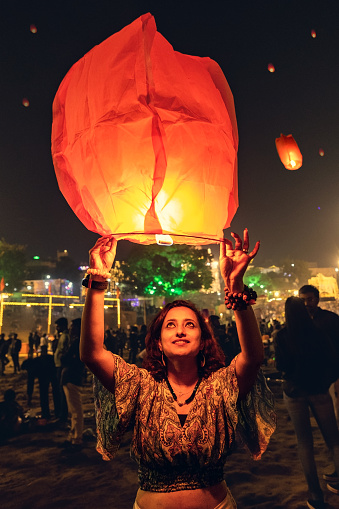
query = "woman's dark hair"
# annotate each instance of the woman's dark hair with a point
(214, 357)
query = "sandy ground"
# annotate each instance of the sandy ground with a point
(36, 473)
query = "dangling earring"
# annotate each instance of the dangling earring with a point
(203, 360)
(163, 359)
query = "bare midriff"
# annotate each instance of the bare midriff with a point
(204, 498)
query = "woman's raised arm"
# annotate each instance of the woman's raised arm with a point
(233, 264)
(92, 351)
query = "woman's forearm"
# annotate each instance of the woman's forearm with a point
(249, 336)
(251, 356)
(92, 351)
(92, 326)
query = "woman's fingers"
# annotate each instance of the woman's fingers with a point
(239, 245)
(104, 245)
(246, 243)
(223, 247)
(238, 241)
(253, 253)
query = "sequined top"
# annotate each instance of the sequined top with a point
(172, 457)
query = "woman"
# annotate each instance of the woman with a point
(302, 357)
(187, 407)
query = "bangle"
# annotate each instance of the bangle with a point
(240, 301)
(87, 282)
(100, 273)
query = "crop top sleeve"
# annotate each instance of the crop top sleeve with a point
(171, 456)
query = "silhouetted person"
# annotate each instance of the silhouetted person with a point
(30, 344)
(72, 381)
(327, 323)
(303, 362)
(36, 340)
(14, 350)
(11, 416)
(223, 339)
(133, 344)
(61, 326)
(142, 337)
(122, 337)
(43, 369)
(4, 344)
(110, 341)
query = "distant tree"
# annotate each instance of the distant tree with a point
(166, 271)
(258, 280)
(13, 261)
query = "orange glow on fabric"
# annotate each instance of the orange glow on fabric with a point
(144, 140)
(289, 152)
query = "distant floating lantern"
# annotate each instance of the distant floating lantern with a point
(25, 102)
(313, 34)
(289, 152)
(271, 67)
(321, 152)
(144, 141)
(33, 29)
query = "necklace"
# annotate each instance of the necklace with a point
(188, 400)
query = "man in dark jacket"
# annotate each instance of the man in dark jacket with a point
(72, 381)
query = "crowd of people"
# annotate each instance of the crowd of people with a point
(190, 376)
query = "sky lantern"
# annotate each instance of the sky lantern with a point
(33, 29)
(289, 152)
(144, 140)
(313, 34)
(321, 152)
(25, 102)
(271, 67)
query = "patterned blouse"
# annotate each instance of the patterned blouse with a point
(172, 457)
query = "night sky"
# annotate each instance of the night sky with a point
(293, 213)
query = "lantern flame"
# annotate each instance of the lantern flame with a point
(164, 240)
(293, 163)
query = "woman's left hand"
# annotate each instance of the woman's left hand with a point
(234, 261)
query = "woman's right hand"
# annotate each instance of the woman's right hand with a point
(101, 256)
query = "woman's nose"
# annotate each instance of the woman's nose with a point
(180, 332)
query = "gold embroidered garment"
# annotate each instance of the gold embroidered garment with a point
(170, 456)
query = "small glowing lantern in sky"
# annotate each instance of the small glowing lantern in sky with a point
(33, 29)
(271, 67)
(313, 34)
(289, 152)
(25, 102)
(144, 140)
(321, 152)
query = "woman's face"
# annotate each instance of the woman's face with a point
(180, 333)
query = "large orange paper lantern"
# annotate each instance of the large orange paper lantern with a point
(144, 140)
(289, 152)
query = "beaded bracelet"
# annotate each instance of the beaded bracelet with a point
(239, 301)
(100, 273)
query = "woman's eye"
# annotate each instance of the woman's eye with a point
(170, 324)
(190, 324)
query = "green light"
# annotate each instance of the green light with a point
(36, 257)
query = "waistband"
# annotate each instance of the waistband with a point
(179, 478)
